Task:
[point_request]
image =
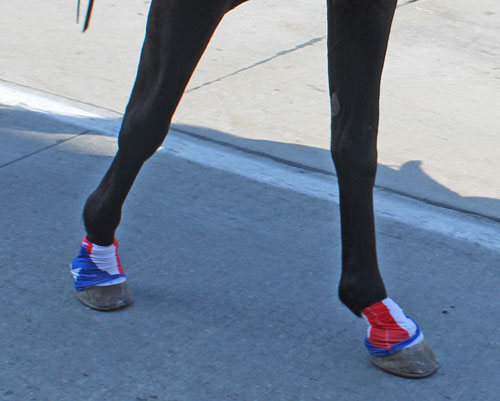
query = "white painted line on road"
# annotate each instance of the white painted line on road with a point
(447, 222)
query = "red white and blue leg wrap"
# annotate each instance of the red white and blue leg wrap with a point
(97, 265)
(389, 328)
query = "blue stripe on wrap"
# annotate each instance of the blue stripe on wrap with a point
(89, 274)
(375, 351)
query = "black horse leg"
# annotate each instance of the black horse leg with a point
(177, 33)
(176, 36)
(358, 32)
(357, 41)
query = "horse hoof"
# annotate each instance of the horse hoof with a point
(414, 362)
(106, 298)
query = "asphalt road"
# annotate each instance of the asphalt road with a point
(232, 255)
(234, 280)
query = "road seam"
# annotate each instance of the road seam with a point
(57, 143)
(310, 42)
(329, 173)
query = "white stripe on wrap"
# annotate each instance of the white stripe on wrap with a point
(399, 316)
(106, 259)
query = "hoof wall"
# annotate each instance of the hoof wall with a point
(414, 362)
(106, 298)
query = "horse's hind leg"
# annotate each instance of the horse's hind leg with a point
(176, 36)
(357, 41)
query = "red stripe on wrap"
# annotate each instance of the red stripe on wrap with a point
(120, 268)
(384, 330)
(88, 245)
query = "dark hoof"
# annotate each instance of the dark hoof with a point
(106, 298)
(414, 362)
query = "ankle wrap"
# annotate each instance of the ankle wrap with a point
(389, 329)
(97, 265)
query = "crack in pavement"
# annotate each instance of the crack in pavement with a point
(300, 46)
(60, 141)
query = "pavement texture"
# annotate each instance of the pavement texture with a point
(235, 287)
(235, 280)
(262, 84)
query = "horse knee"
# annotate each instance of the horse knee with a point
(355, 158)
(140, 136)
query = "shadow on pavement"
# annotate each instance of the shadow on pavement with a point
(235, 287)
(14, 119)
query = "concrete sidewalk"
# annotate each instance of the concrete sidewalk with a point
(262, 85)
(235, 286)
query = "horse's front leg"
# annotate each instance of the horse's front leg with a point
(176, 36)
(358, 33)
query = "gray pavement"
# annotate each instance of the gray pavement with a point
(234, 279)
(263, 81)
(235, 286)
